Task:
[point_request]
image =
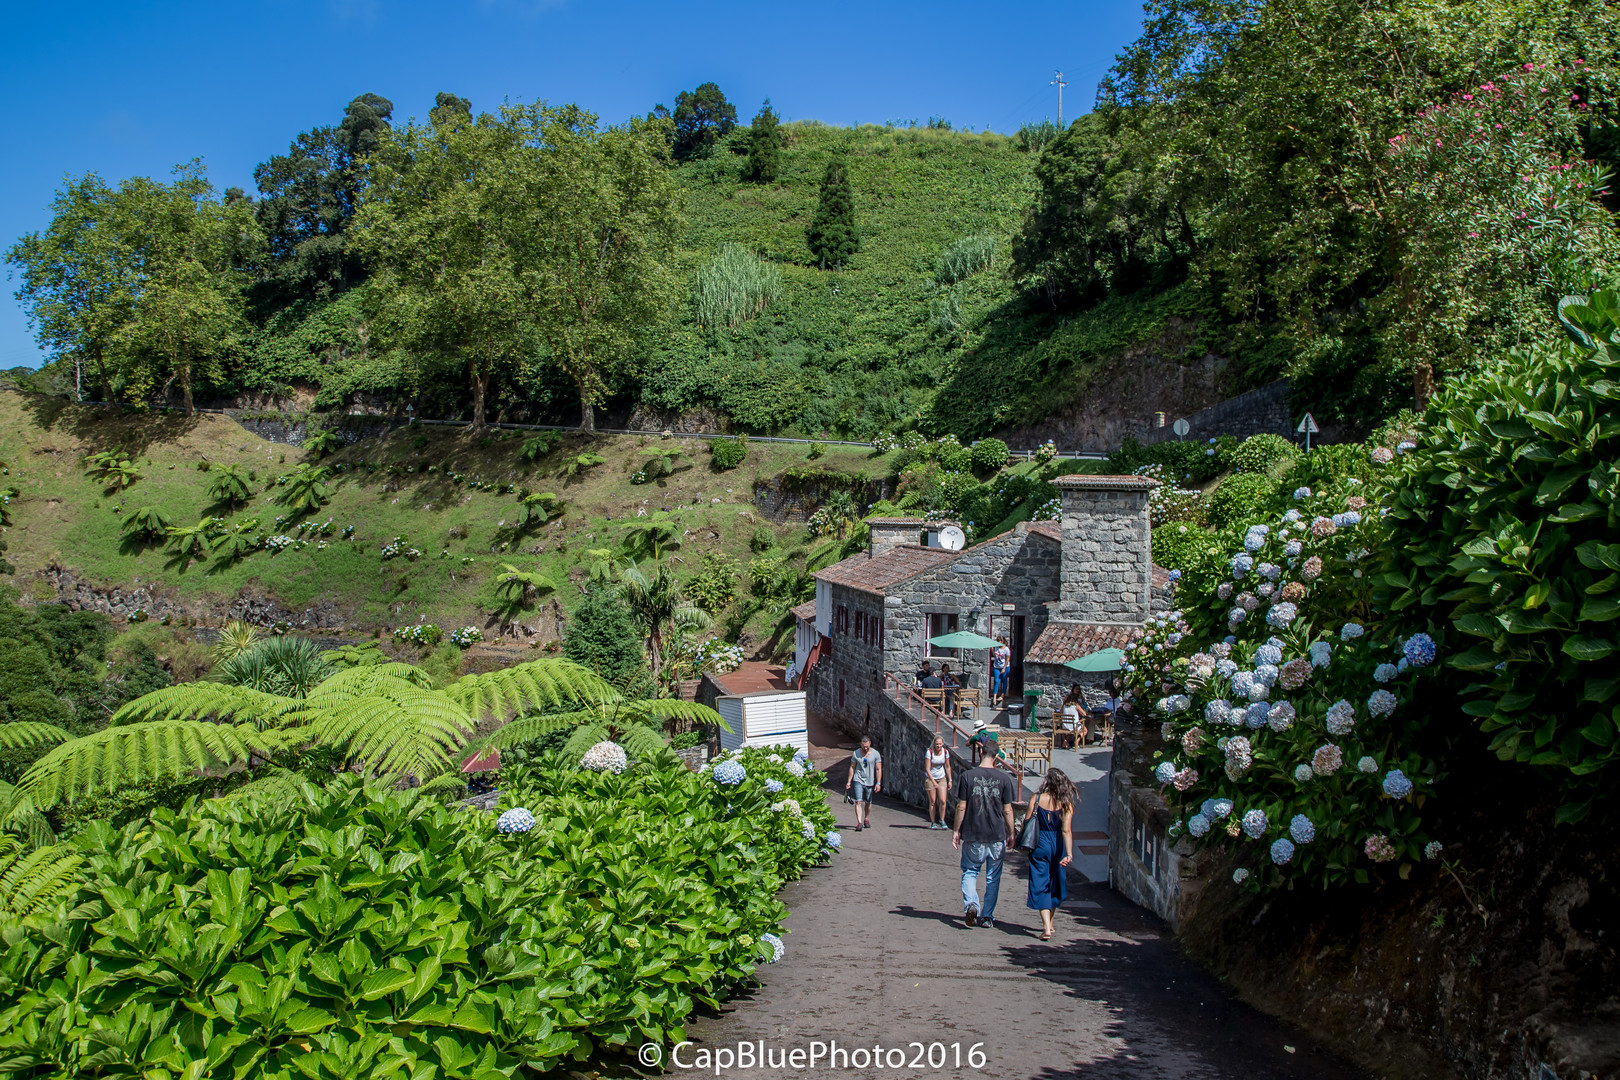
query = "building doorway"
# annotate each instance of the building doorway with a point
(1015, 647)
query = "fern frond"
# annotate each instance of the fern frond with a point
(394, 729)
(365, 680)
(661, 710)
(23, 734)
(133, 753)
(443, 784)
(33, 882)
(17, 814)
(527, 728)
(276, 785)
(521, 688)
(641, 741)
(200, 700)
(582, 740)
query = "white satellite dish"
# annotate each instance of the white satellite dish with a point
(952, 538)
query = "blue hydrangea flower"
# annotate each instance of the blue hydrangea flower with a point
(1165, 773)
(1255, 538)
(1367, 765)
(1218, 711)
(1396, 785)
(1217, 809)
(1381, 703)
(1254, 823)
(1282, 849)
(1268, 654)
(1198, 825)
(801, 755)
(1341, 717)
(1302, 493)
(774, 944)
(1175, 575)
(1321, 652)
(1236, 616)
(1281, 615)
(1419, 650)
(1347, 519)
(1242, 683)
(1385, 672)
(773, 786)
(1241, 564)
(1240, 875)
(1259, 691)
(1269, 571)
(730, 773)
(1257, 714)
(1267, 673)
(1226, 667)
(1301, 829)
(1431, 850)
(1281, 717)
(1292, 516)
(1350, 631)
(1302, 774)
(515, 820)
(834, 839)
(1293, 549)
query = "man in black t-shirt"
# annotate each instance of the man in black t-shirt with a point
(984, 830)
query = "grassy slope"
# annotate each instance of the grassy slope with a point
(859, 350)
(66, 517)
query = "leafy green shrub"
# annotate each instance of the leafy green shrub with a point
(304, 489)
(1240, 496)
(145, 523)
(602, 636)
(762, 539)
(1259, 454)
(733, 287)
(1185, 462)
(1506, 510)
(727, 454)
(324, 443)
(714, 586)
(1032, 137)
(988, 456)
(817, 450)
(1179, 546)
(383, 931)
(536, 447)
(954, 458)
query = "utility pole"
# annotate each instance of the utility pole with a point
(1060, 84)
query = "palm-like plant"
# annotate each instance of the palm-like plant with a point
(33, 882)
(190, 542)
(234, 638)
(536, 447)
(578, 463)
(284, 666)
(147, 523)
(662, 608)
(304, 489)
(660, 460)
(324, 443)
(387, 718)
(652, 537)
(119, 472)
(537, 508)
(230, 484)
(517, 586)
(842, 511)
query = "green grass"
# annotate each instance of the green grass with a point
(67, 518)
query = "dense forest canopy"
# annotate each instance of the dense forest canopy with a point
(1365, 195)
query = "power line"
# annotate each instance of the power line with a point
(1060, 84)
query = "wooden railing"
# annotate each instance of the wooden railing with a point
(910, 698)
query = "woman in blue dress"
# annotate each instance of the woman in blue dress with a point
(1053, 807)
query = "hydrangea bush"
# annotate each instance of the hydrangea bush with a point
(1273, 674)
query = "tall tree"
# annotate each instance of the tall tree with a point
(702, 118)
(77, 280)
(189, 251)
(764, 146)
(309, 198)
(528, 232)
(833, 236)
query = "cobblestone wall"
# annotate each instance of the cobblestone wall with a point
(1263, 410)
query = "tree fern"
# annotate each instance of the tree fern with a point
(395, 729)
(34, 883)
(138, 752)
(27, 734)
(200, 700)
(18, 815)
(539, 684)
(638, 740)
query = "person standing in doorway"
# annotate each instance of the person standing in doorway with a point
(865, 780)
(984, 831)
(937, 781)
(1000, 664)
(1049, 859)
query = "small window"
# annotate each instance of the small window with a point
(939, 624)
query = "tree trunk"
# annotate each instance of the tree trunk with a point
(185, 388)
(480, 383)
(587, 413)
(101, 369)
(1422, 384)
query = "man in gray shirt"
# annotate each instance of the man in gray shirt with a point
(865, 779)
(984, 830)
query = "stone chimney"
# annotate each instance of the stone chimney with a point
(1107, 568)
(887, 533)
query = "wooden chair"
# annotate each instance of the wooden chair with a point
(1038, 748)
(936, 698)
(966, 698)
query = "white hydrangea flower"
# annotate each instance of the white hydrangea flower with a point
(605, 756)
(1381, 703)
(1302, 773)
(1341, 717)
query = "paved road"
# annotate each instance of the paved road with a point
(877, 956)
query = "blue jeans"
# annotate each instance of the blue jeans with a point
(998, 681)
(989, 855)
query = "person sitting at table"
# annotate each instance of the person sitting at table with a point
(1074, 714)
(948, 681)
(924, 670)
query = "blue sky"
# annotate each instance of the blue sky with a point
(134, 88)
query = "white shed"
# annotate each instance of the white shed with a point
(771, 718)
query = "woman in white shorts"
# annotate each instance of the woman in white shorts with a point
(937, 781)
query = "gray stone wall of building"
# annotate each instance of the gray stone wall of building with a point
(1018, 568)
(1107, 572)
(1144, 865)
(903, 740)
(855, 663)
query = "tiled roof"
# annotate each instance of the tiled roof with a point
(874, 575)
(1061, 642)
(1082, 482)
(752, 677)
(896, 522)
(806, 611)
(1049, 529)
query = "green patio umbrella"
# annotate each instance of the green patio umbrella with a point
(965, 639)
(1101, 660)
